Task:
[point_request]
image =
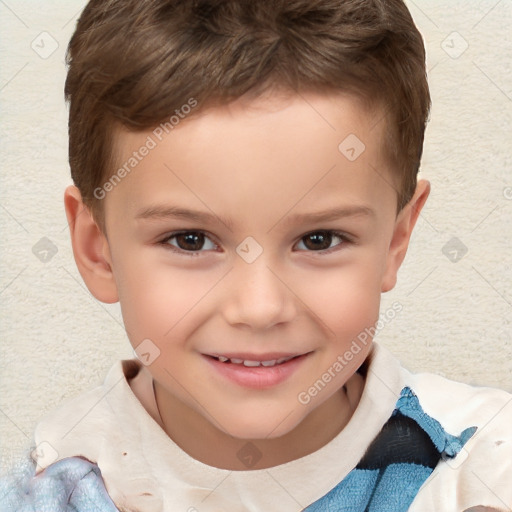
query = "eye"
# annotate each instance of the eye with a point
(192, 243)
(188, 242)
(320, 241)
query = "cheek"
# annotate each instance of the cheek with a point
(158, 301)
(346, 298)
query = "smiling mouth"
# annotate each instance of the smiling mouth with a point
(252, 363)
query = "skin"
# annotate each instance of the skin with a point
(257, 163)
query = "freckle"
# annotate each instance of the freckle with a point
(124, 453)
(497, 443)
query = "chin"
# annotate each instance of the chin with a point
(265, 426)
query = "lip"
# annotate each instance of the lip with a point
(267, 356)
(259, 377)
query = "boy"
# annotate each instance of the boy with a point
(215, 152)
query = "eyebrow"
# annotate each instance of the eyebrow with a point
(160, 212)
(330, 214)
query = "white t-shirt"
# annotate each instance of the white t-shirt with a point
(118, 427)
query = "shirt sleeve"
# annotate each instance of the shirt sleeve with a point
(72, 484)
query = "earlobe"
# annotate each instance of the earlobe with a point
(404, 225)
(90, 248)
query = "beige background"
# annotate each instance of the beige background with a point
(56, 340)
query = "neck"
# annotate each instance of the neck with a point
(206, 443)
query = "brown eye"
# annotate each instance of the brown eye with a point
(321, 240)
(318, 241)
(189, 241)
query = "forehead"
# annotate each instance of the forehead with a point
(288, 151)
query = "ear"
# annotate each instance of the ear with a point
(90, 248)
(402, 231)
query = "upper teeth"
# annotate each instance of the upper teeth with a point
(248, 362)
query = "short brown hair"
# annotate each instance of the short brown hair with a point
(133, 62)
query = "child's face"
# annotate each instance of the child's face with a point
(258, 277)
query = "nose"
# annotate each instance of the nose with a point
(257, 297)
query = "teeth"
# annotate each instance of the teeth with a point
(254, 364)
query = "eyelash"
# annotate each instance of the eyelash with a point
(345, 239)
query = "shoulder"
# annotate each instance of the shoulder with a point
(74, 477)
(80, 425)
(481, 473)
(458, 405)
